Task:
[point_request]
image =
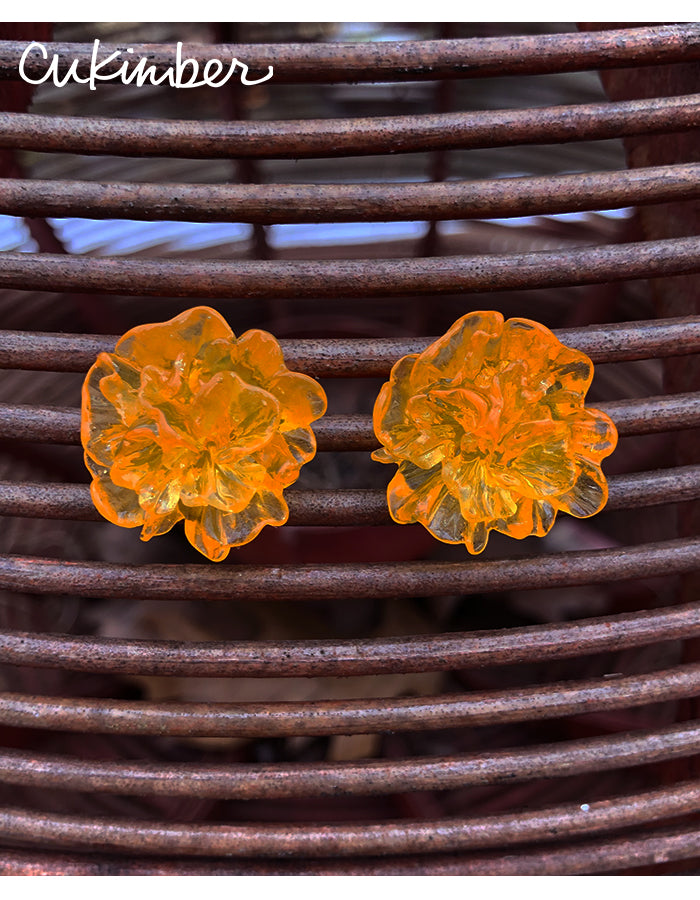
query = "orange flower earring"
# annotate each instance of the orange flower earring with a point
(185, 421)
(489, 431)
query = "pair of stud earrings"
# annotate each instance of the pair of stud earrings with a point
(487, 427)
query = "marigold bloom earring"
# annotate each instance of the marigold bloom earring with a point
(185, 421)
(489, 431)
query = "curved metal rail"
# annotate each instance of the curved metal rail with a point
(327, 138)
(282, 719)
(331, 63)
(297, 203)
(329, 358)
(298, 780)
(350, 278)
(346, 581)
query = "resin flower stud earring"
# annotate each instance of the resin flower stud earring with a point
(185, 421)
(489, 431)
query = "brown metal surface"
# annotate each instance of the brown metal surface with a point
(585, 857)
(551, 722)
(282, 719)
(344, 507)
(328, 138)
(396, 61)
(329, 358)
(370, 656)
(401, 837)
(255, 781)
(61, 425)
(260, 279)
(346, 581)
(273, 203)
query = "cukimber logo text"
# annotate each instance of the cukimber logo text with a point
(184, 73)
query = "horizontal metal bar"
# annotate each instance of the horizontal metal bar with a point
(61, 424)
(324, 717)
(334, 357)
(357, 839)
(664, 413)
(327, 138)
(349, 278)
(648, 848)
(251, 781)
(273, 203)
(371, 656)
(333, 63)
(345, 581)
(49, 500)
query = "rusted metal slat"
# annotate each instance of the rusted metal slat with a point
(324, 717)
(399, 837)
(350, 278)
(367, 778)
(61, 424)
(578, 858)
(50, 500)
(370, 656)
(334, 357)
(274, 203)
(327, 138)
(346, 581)
(333, 63)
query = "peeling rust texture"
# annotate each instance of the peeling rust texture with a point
(332, 63)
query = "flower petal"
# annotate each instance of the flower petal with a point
(233, 417)
(448, 524)
(162, 343)
(589, 493)
(413, 493)
(213, 532)
(301, 443)
(139, 455)
(532, 517)
(301, 399)
(390, 406)
(266, 508)
(258, 357)
(204, 529)
(479, 494)
(237, 483)
(460, 354)
(155, 525)
(535, 458)
(278, 460)
(118, 505)
(593, 434)
(183, 421)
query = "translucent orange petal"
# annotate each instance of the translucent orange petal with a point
(184, 421)
(489, 430)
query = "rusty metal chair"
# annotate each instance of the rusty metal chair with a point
(561, 731)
